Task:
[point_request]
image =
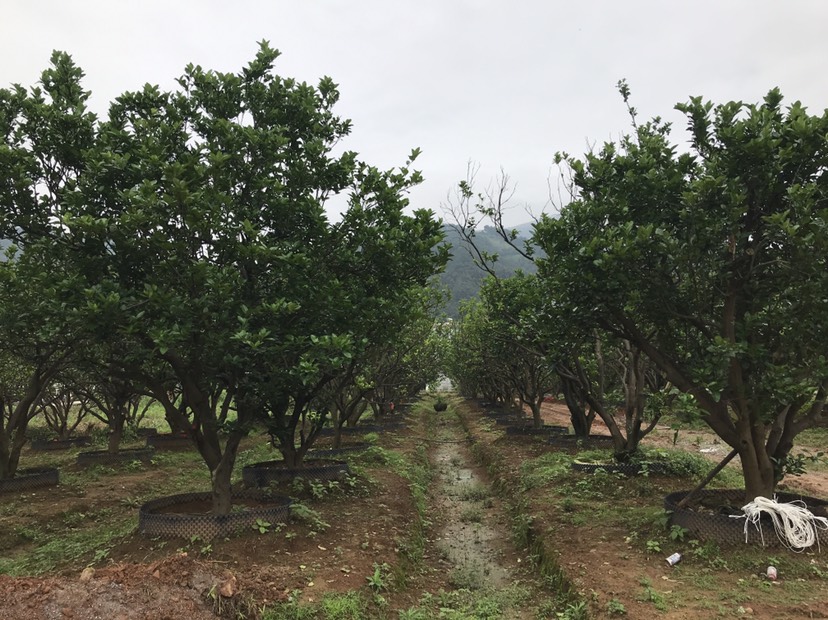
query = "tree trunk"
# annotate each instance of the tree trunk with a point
(580, 418)
(10, 447)
(292, 455)
(222, 489)
(757, 468)
(221, 475)
(116, 434)
(535, 406)
(14, 432)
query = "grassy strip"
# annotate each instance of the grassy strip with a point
(62, 546)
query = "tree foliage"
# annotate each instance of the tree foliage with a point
(196, 220)
(713, 263)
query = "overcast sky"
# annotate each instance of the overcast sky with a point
(503, 84)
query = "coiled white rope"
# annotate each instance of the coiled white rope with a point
(796, 527)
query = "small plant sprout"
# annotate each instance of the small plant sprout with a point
(616, 608)
(262, 526)
(378, 580)
(678, 533)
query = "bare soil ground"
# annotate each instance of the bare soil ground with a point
(71, 552)
(425, 532)
(603, 530)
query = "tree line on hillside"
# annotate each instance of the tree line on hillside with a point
(463, 277)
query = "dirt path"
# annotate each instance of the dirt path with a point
(473, 533)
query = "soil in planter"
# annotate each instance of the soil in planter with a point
(630, 469)
(528, 429)
(170, 442)
(352, 430)
(322, 453)
(205, 507)
(185, 516)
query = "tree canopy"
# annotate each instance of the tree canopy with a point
(196, 219)
(713, 263)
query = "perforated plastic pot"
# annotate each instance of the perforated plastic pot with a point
(103, 457)
(352, 430)
(709, 517)
(629, 469)
(50, 445)
(170, 442)
(324, 453)
(525, 429)
(183, 516)
(32, 478)
(572, 442)
(262, 474)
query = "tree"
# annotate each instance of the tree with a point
(471, 364)
(511, 305)
(39, 335)
(197, 218)
(613, 370)
(712, 263)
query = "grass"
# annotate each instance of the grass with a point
(83, 532)
(473, 493)
(608, 507)
(468, 604)
(471, 514)
(348, 606)
(57, 546)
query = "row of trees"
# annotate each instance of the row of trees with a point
(180, 248)
(704, 270)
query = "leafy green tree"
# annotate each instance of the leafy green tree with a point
(62, 408)
(511, 308)
(197, 218)
(711, 262)
(39, 337)
(471, 363)
(110, 392)
(397, 363)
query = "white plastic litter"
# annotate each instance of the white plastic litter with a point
(796, 527)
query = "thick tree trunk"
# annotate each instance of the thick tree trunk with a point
(535, 406)
(581, 418)
(14, 431)
(222, 475)
(116, 435)
(292, 455)
(11, 444)
(757, 467)
(222, 489)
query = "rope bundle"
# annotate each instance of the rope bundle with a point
(796, 527)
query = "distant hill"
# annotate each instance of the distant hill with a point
(463, 278)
